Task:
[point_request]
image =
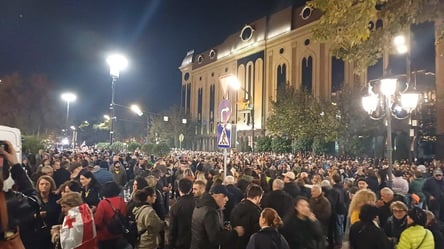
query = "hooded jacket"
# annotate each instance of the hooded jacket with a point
(207, 230)
(148, 220)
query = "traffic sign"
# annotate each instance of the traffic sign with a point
(224, 135)
(181, 137)
(225, 110)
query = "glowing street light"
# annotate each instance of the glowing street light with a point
(116, 62)
(68, 97)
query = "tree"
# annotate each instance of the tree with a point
(281, 145)
(359, 30)
(263, 144)
(358, 126)
(298, 115)
(169, 131)
(27, 104)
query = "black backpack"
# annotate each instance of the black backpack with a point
(133, 235)
(118, 223)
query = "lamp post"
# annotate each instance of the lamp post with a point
(74, 136)
(385, 100)
(233, 83)
(68, 98)
(116, 63)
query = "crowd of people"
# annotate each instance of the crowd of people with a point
(186, 200)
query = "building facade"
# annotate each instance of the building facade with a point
(263, 55)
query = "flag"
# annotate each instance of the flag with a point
(78, 229)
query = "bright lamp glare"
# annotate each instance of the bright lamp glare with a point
(107, 117)
(136, 109)
(409, 101)
(370, 103)
(69, 97)
(399, 40)
(388, 86)
(402, 49)
(65, 141)
(116, 63)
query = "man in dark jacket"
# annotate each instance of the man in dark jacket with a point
(236, 195)
(207, 226)
(278, 199)
(180, 216)
(246, 214)
(434, 190)
(290, 185)
(61, 174)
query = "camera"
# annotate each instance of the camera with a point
(5, 147)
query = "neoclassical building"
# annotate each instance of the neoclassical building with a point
(264, 54)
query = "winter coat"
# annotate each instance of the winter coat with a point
(180, 222)
(267, 238)
(366, 235)
(148, 220)
(207, 231)
(245, 214)
(416, 237)
(302, 233)
(292, 189)
(321, 208)
(279, 200)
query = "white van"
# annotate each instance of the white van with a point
(14, 136)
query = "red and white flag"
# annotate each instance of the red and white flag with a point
(78, 230)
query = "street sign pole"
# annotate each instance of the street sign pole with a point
(225, 163)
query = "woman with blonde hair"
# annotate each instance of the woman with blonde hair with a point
(362, 197)
(268, 237)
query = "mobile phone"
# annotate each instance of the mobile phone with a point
(3, 145)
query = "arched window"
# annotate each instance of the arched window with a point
(281, 76)
(307, 74)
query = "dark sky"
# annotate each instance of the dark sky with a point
(68, 40)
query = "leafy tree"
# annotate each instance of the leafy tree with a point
(353, 29)
(281, 145)
(161, 149)
(133, 146)
(32, 144)
(358, 125)
(263, 144)
(298, 115)
(169, 131)
(28, 105)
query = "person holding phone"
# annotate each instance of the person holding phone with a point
(17, 208)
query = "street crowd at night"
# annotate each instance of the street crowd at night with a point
(183, 200)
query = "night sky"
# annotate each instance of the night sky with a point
(68, 40)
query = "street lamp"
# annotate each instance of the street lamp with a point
(116, 63)
(68, 98)
(233, 82)
(385, 100)
(74, 136)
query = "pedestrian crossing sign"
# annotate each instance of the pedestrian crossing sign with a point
(223, 135)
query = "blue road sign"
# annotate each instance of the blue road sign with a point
(224, 135)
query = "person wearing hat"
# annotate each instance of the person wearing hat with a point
(290, 185)
(434, 191)
(366, 234)
(207, 226)
(361, 182)
(416, 236)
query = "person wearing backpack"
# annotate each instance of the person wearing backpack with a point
(110, 218)
(149, 224)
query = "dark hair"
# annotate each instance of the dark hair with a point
(254, 190)
(141, 195)
(141, 182)
(337, 178)
(271, 217)
(398, 173)
(368, 213)
(87, 174)
(185, 185)
(111, 189)
(74, 186)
